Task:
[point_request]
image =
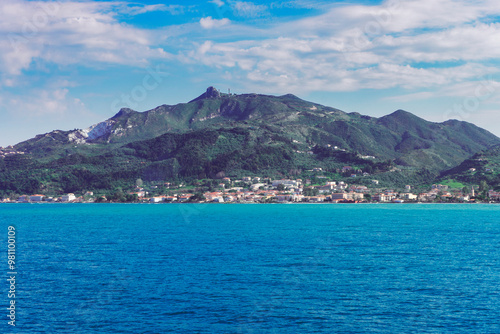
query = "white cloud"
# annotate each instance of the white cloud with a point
(484, 89)
(37, 111)
(70, 33)
(249, 9)
(137, 10)
(44, 102)
(210, 23)
(424, 46)
(218, 3)
(404, 43)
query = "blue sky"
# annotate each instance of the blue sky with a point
(71, 64)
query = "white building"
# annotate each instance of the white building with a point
(287, 183)
(68, 197)
(410, 197)
(256, 186)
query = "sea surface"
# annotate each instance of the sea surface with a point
(215, 268)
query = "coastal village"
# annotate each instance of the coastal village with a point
(266, 190)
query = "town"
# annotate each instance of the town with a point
(266, 190)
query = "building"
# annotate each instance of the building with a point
(317, 199)
(346, 169)
(36, 198)
(359, 189)
(427, 197)
(182, 198)
(256, 186)
(494, 195)
(341, 196)
(357, 196)
(23, 199)
(342, 185)
(383, 197)
(214, 197)
(440, 187)
(284, 198)
(327, 188)
(286, 183)
(68, 197)
(410, 197)
(218, 199)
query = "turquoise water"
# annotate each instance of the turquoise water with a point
(89, 268)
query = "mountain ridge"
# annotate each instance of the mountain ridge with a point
(245, 133)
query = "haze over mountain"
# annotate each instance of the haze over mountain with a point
(236, 134)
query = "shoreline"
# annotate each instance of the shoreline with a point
(257, 203)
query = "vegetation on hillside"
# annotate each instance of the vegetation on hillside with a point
(258, 135)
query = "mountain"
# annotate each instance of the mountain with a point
(482, 166)
(236, 134)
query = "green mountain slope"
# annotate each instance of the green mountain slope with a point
(401, 136)
(237, 134)
(483, 166)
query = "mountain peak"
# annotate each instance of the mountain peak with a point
(123, 112)
(290, 96)
(401, 113)
(211, 93)
(401, 116)
(402, 121)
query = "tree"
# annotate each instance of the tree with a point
(100, 199)
(198, 197)
(139, 182)
(131, 198)
(280, 187)
(483, 186)
(311, 191)
(118, 196)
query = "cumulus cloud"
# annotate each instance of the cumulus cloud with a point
(411, 44)
(137, 10)
(218, 3)
(36, 111)
(405, 43)
(41, 102)
(249, 9)
(70, 33)
(210, 23)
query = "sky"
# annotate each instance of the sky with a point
(70, 64)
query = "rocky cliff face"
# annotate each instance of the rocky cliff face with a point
(211, 93)
(94, 132)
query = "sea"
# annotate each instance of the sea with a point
(250, 268)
